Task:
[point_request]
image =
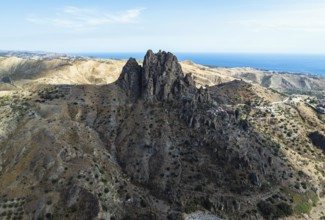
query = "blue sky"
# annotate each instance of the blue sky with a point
(249, 26)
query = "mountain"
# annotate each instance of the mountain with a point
(90, 139)
(282, 82)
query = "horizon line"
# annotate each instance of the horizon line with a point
(155, 51)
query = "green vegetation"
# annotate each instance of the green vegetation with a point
(270, 211)
(12, 209)
(175, 216)
(18, 108)
(50, 94)
(303, 206)
(191, 206)
(303, 203)
(4, 100)
(198, 204)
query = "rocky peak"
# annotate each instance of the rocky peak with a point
(130, 78)
(160, 78)
(159, 74)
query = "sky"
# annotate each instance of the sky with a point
(205, 26)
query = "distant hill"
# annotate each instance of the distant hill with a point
(40, 65)
(282, 82)
(29, 54)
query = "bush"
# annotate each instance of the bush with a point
(207, 204)
(191, 206)
(175, 216)
(48, 215)
(270, 211)
(302, 204)
(284, 209)
(303, 207)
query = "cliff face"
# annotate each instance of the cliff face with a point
(150, 146)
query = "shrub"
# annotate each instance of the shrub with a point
(270, 211)
(284, 209)
(48, 215)
(303, 207)
(302, 204)
(175, 216)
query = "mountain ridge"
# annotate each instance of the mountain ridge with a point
(86, 69)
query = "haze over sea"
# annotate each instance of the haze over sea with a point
(293, 63)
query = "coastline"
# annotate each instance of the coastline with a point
(279, 63)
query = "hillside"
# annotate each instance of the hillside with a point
(282, 82)
(107, 139)
(60, 71)
(241, 92)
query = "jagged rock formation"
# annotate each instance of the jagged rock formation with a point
(159, 75)
(161, 78)
(130, 78)
(150, 146)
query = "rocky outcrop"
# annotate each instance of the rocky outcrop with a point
(161, 74)
(130, 78)
(161, 78)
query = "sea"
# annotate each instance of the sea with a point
(292, 63)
